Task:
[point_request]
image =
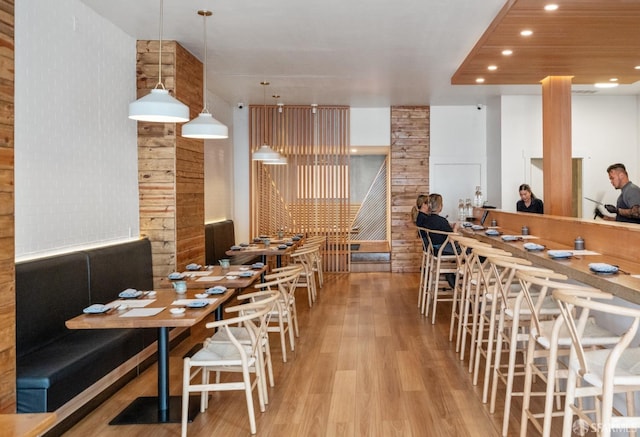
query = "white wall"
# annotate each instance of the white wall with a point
(241, 174)
(604, 131)
(370, 126)
(458, 160)
(218, 166)
(75, 149)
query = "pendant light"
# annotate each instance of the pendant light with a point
(204, 126)
(265, 153)
(158, 106)
(283, 159)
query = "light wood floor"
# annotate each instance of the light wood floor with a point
(366, 364)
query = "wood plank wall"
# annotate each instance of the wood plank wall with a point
(409, 170)
(7, 234)
(171, 168)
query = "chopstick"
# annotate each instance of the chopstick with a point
(623, 271)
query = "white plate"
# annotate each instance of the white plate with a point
(179, 310)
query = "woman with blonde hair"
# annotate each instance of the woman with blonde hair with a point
(421, 209)
(438, 223)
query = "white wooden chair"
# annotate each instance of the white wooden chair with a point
(307, 277)
(234, 355)
(600, 373)
(283, 318)
(547, 343)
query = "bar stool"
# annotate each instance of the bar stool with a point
(501, 274)
(549, 340)
(464, 259)
(427, 253)
(480, 281)
(602, 372)
(441, 264)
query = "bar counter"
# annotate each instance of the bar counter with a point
(616, 244)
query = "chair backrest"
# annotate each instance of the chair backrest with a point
(589, 303)
(543, 284)
(439, 249)
(253, 316)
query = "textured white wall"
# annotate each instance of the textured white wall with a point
(218, 166)
(370, 126)
(458, 157)
(75, 148)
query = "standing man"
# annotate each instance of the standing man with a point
(627, 205)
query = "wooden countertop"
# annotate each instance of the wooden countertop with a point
(623, 285)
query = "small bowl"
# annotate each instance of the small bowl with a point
(177, 310)
(202, 295)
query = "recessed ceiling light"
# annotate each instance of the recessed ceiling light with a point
(637, 67)
(605, 85)
(526, 32)
(613, 79)
(492, 67)
(507, 52)
(480, 80)
(354, 150)
(551, 7)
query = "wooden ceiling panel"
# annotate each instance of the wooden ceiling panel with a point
(591, 40)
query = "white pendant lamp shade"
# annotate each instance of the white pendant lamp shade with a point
(265, 153)
(160, 107)
(206, 127)
(280, 161)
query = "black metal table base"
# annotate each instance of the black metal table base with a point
(144, 410)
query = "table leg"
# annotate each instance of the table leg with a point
(162, 408)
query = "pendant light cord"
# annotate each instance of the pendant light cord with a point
(160, 84)
(204, 69)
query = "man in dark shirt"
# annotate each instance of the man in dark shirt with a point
(626, 208)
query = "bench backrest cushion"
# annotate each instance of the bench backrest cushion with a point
(219, 237)
(49, 291)
(113, 269)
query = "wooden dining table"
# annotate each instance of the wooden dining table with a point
(264, 251)
(162, 408)
(624, 284)
(26, 424)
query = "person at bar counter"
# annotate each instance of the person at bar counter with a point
(627, 208)
(432, 220)
(528, 201)
(420, 211)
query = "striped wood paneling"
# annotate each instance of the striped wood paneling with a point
(410, 140)
(171, 168)
(7, 242)
(311, 193)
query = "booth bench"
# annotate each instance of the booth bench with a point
(55, 364)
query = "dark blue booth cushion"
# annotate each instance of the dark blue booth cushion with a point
(50, 376)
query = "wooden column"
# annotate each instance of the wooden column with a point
(409, 169)
(7, 227)
(556, 144)
(170, 167)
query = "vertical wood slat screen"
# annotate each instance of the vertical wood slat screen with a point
(310, 194)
